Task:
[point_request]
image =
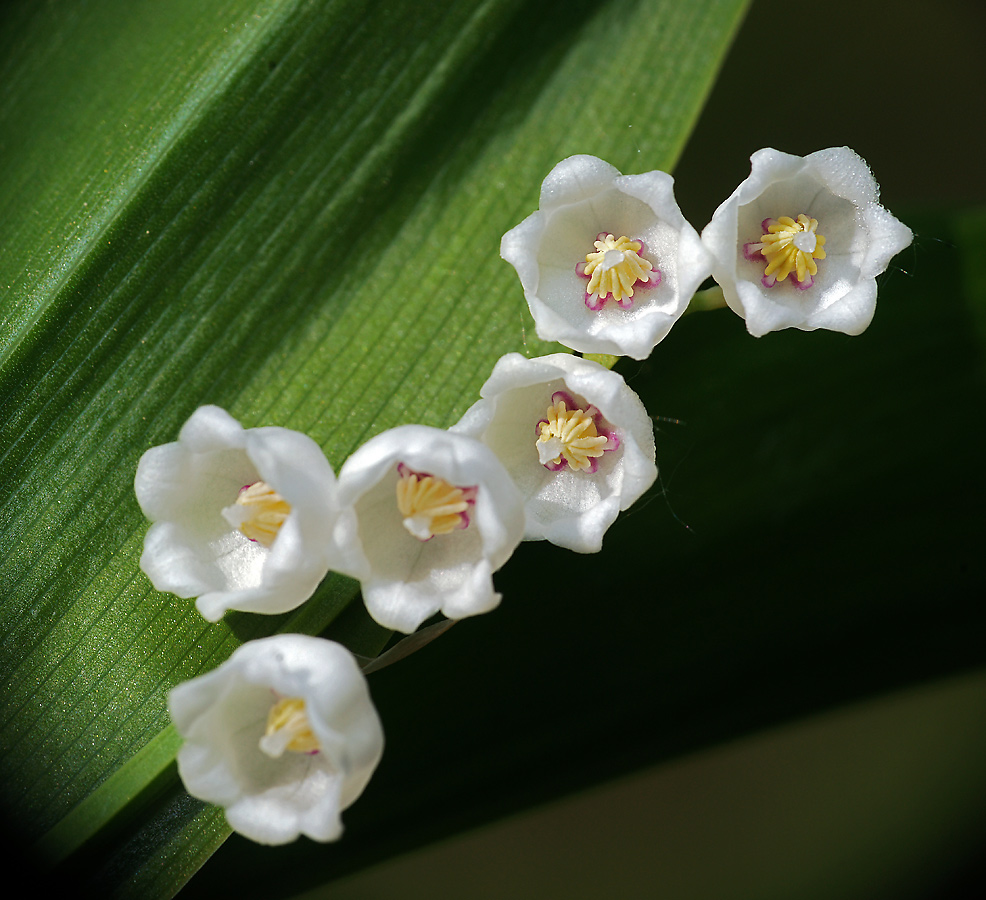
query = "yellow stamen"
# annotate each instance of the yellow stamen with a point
(569, 434)
(259, 512)
(791, 246)
(615, 267)
(288, 729)
(430, 505)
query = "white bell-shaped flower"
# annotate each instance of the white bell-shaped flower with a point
(436, 516)
(242, 518)
(608, 263)
(283, 735)
(800, 242)
(576, 440)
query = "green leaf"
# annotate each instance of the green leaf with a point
(291, 209)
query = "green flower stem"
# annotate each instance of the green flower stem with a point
(710, 298)
(604, 359)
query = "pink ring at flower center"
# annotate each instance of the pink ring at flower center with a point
(430, 505)
(615, 268)
(573, 436)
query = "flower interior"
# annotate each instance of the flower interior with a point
(259, 512)
(789, 246)
(572, 436)
(431, 505)
(288, 729)
(614, 268)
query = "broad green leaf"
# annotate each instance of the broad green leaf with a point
(291, 209)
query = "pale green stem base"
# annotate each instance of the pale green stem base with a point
(710, 298)
(604, 359)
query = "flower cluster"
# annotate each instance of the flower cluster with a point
(608, 263)
(284, 734)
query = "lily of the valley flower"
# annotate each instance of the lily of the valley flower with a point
(283, 735)
(800, 242)
(242, 518)
(576, 440)
(608, 263)
(436, 515)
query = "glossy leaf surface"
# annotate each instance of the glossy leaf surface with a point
(289, 209)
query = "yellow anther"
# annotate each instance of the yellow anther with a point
(615, 267)
(791, 246)
(288, 728)
(431, 505)
(569, 436)
(259, 512)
